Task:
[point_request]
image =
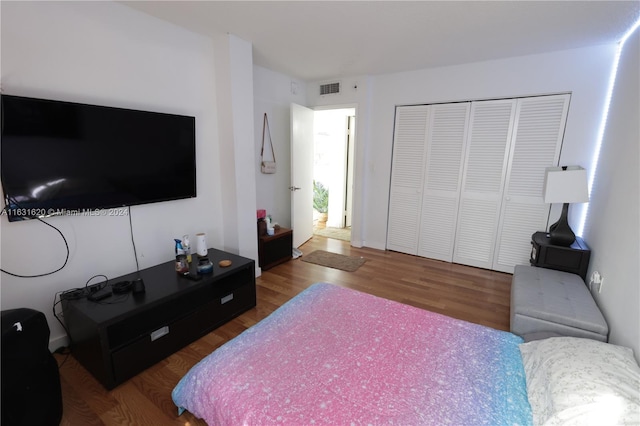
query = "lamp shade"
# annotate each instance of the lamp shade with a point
(565, 185)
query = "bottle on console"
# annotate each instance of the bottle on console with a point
(182, 266)
(270, 230)
(187, 247)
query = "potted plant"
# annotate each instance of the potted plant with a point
(320, 200)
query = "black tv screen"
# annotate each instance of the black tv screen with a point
(60, 157)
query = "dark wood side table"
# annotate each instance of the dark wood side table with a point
(275, 249)
(574, 259)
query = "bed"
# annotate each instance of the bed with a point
(332, 355)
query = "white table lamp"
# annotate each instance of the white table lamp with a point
(565, 185)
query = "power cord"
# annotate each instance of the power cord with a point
(62, 350)
(133, 242)
(66, 244)
(96, 287)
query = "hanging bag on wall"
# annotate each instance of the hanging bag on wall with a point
(267, 167)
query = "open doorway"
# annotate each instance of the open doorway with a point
(334, 150)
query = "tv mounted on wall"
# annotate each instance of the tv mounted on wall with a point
(59, 157)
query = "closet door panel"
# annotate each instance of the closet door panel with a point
(476, 231)
(537, 139)
(407, 176)
(402, 231)
(514, 239)
(438, 228)
(446, 138)
(485, 168)
(466, 179)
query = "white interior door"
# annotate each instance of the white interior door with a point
(301, 174)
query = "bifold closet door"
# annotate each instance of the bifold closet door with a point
(446, 139)
(501, 202)
(466, 179)
(425, 178)
(407, 175)
(537, 139)
(485, 168)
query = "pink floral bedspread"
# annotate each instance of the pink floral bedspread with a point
(337, 356)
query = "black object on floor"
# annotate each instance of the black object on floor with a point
(31, 393)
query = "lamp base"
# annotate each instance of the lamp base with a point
(560, 233)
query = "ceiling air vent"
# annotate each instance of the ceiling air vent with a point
(330, 88)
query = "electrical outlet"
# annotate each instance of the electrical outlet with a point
(596, 281)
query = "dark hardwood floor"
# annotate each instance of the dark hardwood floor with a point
(471, 294)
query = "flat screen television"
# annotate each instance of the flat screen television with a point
(62, 157)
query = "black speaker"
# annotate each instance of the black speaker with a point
(31, 393)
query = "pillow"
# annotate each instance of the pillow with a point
(575, 381)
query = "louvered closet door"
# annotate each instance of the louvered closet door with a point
(537, 138)
(485, 169)
(446, 138)
(407, 176)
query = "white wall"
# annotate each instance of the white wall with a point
(105, 53)
(583, 72)
(273, 94)
(234, 79)
(355, 92)
(612, 228)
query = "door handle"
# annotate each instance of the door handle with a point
(294, 188)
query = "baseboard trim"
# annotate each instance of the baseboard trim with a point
(58, 342)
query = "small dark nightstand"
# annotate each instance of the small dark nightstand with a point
(275, 249)
(574, 259)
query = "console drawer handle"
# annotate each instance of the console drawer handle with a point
(226, 299)
(163, 331)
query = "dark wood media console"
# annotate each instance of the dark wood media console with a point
(120, 336)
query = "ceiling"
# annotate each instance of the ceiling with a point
(320, 40)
